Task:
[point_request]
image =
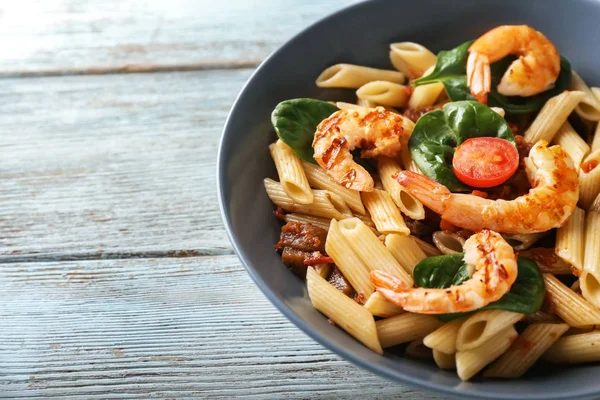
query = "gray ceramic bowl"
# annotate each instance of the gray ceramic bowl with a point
(361, 34)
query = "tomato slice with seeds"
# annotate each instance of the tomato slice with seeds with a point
(485, 162)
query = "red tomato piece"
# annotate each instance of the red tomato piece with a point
(485, 162)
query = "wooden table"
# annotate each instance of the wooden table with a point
(117, 278)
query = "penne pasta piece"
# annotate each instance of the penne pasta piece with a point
(482, 326)
(324, 270)
(575, 349)
(470, 362)
(325, 204)
(539, 317)
(590, 278)
(596, 138)
(405, 250)
(405, 328)
(342, 310)
(576, 286)
(523, 241)
(408, 204)
(568, 305)
(425, 95)
(589, 180)
(354, 76)
(318, 178)
(526, 350)
(380, 307)
(385, 93)
(499, 111)
(351, 265)
(443, 360)
(443, 339)
(547, 260)
(384, 213)
(574, 145)
(365, 103)
(322, 223)
(373, 253)
(596, 204)
(416, 349)
(348, 106)
(448, 243)
(552, 116)
(427, 248)
(569, 240)
(411, 58)
(589, 107)
(291, 175)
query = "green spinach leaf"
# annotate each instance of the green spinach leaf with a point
(438, 133)
(451, 69)
(525, 296)
(296, 120)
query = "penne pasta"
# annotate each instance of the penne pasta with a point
(365, 103)
(523, 241)
(482, 326)
(569, 240)
(380, 307)
(318, 178)
(539, 317)
(547, 260)
(526, 350)
(425, 95)
(373, 253)
(405, 250)
(589, 107)
(324, 270)
(568, 305)
(448, 243)
(596, 139)
(351, 265)
(499, 111)
(406, 202)
(416, 349)
(342, 310)
(590, 278)
(405, 328)
(470, 362)
(322, 223)
(574, 349)
(291, 175)
(443, 339)
(384, 213)
(596, 204)
(347, 106)
(552, 116)
(427, 248)
(443, 360)
(354, 76)
(412, 59)
(325, 204)
(574, 145)
(589, 180)
(385, 93)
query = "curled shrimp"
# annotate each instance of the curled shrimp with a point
(486, 253)
(550, 202)
(376, 131)
(535, 70)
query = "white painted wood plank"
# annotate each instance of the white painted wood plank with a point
(112, 166)
(95, 36)
(166, 328)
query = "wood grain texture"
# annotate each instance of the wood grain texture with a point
(165, 328)
(112, 166)
(109, 36)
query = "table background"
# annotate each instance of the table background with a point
(117, 279)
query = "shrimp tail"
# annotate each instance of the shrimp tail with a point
(428, 191)
(479, 76)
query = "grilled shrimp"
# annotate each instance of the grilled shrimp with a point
(550, 202)
(535, 70)
(376, 131)
(486, 253)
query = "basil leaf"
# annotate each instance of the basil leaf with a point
(438, 133)
(295, 122)
(451, 70)
(525, 296)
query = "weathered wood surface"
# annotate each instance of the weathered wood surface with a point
(113, 166)
(99, 36)
(166, 328)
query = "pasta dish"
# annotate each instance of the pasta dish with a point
(452, 212)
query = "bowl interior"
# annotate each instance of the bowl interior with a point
(361, 34)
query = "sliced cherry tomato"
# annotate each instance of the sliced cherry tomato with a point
(485, 162)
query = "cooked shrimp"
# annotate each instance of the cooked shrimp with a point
(376, 131)
(535, 70)
(552, 199)
(486, 253)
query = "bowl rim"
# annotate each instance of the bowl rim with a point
(272, 296)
